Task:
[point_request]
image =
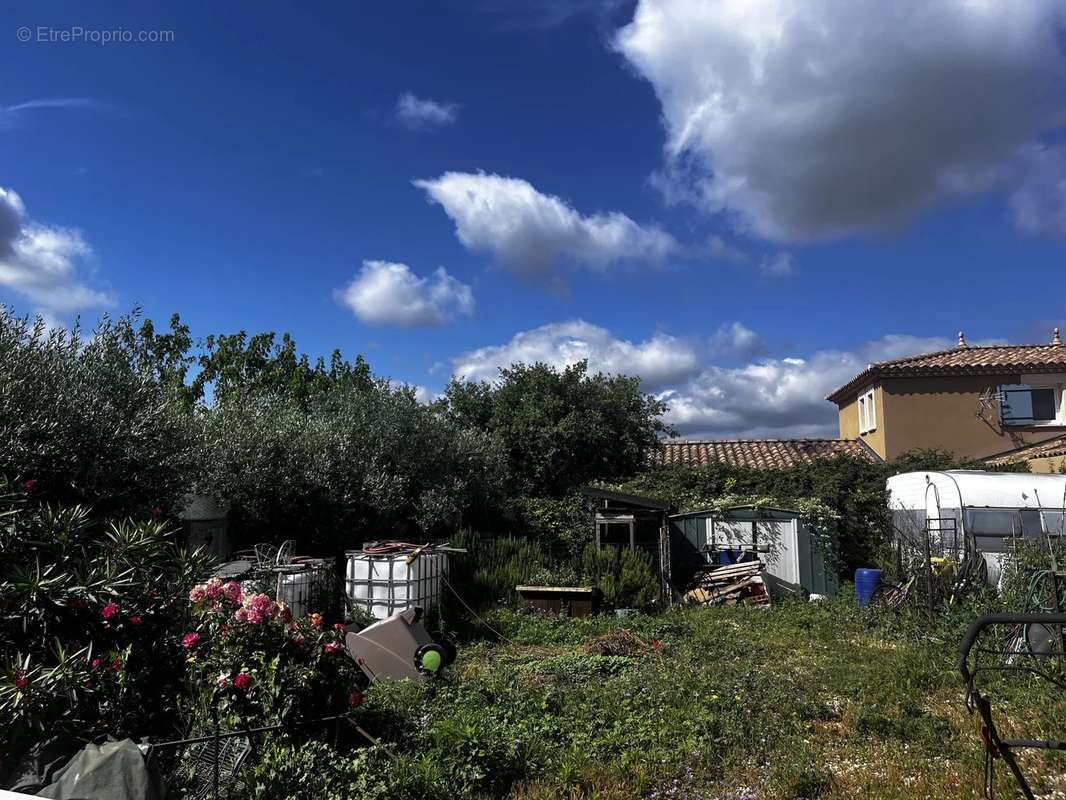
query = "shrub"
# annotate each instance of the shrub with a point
(88, 622)
(89, 421)
(247, 654)
(350, 459)
(627, 578)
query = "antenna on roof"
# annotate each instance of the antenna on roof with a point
(1056, 339)
(962, 339)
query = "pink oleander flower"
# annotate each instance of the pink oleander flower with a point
(97, 663)
(333, 647)
(110, 610)
(232, 591)
(136, 620)
(197, 593)
(190, 640)
(241, 615)
(22, 683)
(244, 681)
(213, 589)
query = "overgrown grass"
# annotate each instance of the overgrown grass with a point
(798, 701)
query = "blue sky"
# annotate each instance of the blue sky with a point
(742, 201)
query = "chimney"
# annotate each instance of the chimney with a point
(1056, 339)
(962, 340)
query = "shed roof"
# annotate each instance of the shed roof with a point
(757, 453)
(768, 512)
(1049, 448)
(638, 500)
(962, 360)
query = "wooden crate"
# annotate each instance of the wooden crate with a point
(571, 601)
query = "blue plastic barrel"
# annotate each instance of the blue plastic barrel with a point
(725, 557)
(866, 583)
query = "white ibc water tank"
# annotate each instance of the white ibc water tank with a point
(383, 585)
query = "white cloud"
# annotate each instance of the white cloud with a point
(418, 113)
(762, 397)
(778, 265)
(805, 120)
(736, 340)
(388, 293)
(1038, 205)
(724, 251)
(532, 232)
(658, 360)
(9, 115)
(779, 397)
(40, 262)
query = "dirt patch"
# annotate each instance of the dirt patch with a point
(619, 642)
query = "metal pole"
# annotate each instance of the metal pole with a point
(928, 575)
(217, 744)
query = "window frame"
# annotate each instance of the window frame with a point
(867, 411)
(1034, 384)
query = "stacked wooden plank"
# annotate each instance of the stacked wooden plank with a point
(729, 584)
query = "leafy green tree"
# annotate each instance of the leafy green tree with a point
(236, 363)
(93, 419)
(560, 428)
(347, 463)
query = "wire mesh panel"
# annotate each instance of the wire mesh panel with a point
(383, 585)
(305, 586)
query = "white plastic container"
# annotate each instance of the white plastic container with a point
(303, 587)
(384, 585)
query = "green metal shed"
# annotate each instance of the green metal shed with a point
(791, 551)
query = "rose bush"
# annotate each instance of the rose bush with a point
(249, 655)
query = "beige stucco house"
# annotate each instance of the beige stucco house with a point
(1000, 403)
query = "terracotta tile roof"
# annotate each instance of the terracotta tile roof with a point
(757, 453)
(962, 361)
(1055, 446)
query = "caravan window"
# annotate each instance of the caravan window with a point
(994, 523)
(1054, 523)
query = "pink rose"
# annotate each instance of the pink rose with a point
(190, 640)
(243, 681)
(338, 626)
(232, 591)
(241, 615)
(254, 617)
(197, 593)
(333, 647)
(214, 589)
(110, 610)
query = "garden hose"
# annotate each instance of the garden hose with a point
(1038, 600)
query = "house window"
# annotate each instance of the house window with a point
(867, 412)
(1021, 404)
